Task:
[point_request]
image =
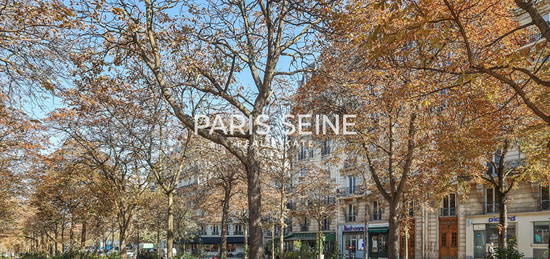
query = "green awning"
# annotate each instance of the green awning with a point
(378, 230)
(330, 237)
(301, 236)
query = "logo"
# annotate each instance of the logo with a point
(301, 124)
(495, 219)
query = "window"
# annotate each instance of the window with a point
(540, 232)
(305, 225)
(490, 201)
(238, 229)
(352, 213)
(304, 152)
(353, 241)
(289, 225)
(444, 239)
(202, 230)
(449, 205)
(352, 180)
(492, 232)
(540, 253)
(326, 224)
(326, 147)
(215, 230)
(545, 198)
(377, 211)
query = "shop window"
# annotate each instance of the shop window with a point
(492, 232)
(379, 245)
(444, 239)
(351, 241)
(449, 205)
(540, 253)
(545, 198)
(541, 232)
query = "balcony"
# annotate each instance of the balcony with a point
(351, 218)
(304, 227)
(376, 216)
(349, 191)
(447, 212)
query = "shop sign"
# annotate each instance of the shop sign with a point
(379, 225)
(496, 219)
(353, 228)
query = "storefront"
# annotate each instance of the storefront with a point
(378, 240)
(352, 240)
(530, 230)
(352, 244)
(308, 241)
(210, 246)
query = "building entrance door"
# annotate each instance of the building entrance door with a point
(479, 244)
(448, 238)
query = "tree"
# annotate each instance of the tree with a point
(166, 154)
(208, 51)
(396, 126)
(493, 41)
(108, 126)
(439, 60)
(314, 197)
(223, 182)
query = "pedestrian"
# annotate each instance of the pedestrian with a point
(491, 251)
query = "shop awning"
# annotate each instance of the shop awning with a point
(217, 240)
(330, 237)
(378, 230)
(301, 236)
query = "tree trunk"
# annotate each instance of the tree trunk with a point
(138, 240)
(159, 249)
(406, 241)
(122, 241)
(246, 241)
(281, 240)
(56, 238)
(502, 219)
(254, 205)
(62, 237)
(71, 235)
(393, 235)
(113, 239)
(282, 221)
(225, 215)
(83, 236)
(273, 241)
(320, 247)
(366, 229)
(170, 229)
